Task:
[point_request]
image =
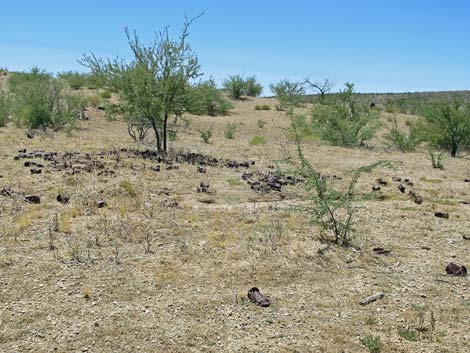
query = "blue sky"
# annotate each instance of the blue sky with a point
(381, 46)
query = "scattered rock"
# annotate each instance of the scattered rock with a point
(156, 168)
(418, 199)
(456, 270)
(255, 296)
(372, 298)
(33, 199)
(101, 203)
(382, 182)
(201, 170)
(439, 214)
(467, 180)
(203, 187)
(63, 199)
(401, 188)
(397, 179)
(466, 237)
(381, 251)
(36, 171)
(170, 203)
(376, 188)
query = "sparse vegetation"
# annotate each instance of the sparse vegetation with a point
(288, 93)
(403, 140)
(206, 135)
(372, 343)
(258, 140)
(446, 125)
(5, 108)
(205, 98)
(262, 107)
(40, 102)
(230, 131)
(261, 123)
(345, 123)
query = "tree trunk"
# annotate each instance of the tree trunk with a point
(453, 152)
(157, 135)
(164, 133)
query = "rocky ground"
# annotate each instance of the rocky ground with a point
(107, 247)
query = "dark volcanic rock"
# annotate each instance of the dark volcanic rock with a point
(456, 270)
(441, 214)
(33, 199)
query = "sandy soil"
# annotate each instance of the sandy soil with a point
(142, 276)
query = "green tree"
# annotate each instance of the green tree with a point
(154, 85)
(252, 87)
(288, 93)
(447, 125)
(39, 101)
(346, 123)
(235, 86)
(205, 98)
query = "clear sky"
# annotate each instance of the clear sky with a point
(381, 46)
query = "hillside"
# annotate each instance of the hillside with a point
(138, 260)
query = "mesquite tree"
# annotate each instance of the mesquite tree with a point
(322, 87)
(154, 85)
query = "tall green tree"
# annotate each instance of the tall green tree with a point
(154, 85)
(447, 125)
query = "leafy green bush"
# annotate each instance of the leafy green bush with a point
(330, 209)
(105, 94)
(5, 108)
(404, 141)
(206, 135)
(74, 79)
(408, 335)
(446, 125)
(258, 140)
(346, 123)
(252, 87)
(288, 93)
(39, 101)
(229, 133)
(262, 107)
(235, 86)
(205, 98)
(372, 343)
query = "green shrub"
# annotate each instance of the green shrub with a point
(262, 107)
(129, 188)
(409, 335)
(235, 86)
(105, 94)
(252, 87)
(346, 123)
(5, 108)
(206, 135)
(372, 343)
(446, 125)
(95, 100)
(437, 160)
(330, 209)
(229, 132)
(404, 141)
(205, 98)
(288, 93)
(262, 123)
(39, 101)
(258, 140)
(75, 80)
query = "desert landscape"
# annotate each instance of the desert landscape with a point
(135, 259)
(147, 206)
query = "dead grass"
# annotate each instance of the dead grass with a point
(99, 289)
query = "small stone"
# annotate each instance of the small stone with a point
(33, 199)
(441, 214)
(101, 203)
